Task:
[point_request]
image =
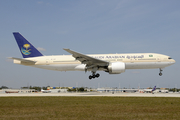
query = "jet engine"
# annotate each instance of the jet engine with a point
(116, 68)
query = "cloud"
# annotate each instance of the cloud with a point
(40, 2)
(41, 49)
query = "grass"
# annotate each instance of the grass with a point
(89, 108)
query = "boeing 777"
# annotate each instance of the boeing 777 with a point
(110, 63)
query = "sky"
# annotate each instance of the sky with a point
(90, 27)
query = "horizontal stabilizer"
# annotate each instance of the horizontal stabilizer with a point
(23, 60)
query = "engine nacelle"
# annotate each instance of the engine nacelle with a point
(80, 67)
(116, 68)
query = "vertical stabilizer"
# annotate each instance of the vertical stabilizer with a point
(26, 48)
(154, 88)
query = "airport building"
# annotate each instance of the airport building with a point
(99, 90)
(58, 90)
(18, 91)
(116, 90)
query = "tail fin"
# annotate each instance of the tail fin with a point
(154, 88)
(26, 48)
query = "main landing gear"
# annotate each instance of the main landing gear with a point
(94, 75)
(160, 74)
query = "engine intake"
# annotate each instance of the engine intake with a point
(116, 68)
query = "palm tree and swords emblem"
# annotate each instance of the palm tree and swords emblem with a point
(25, 49)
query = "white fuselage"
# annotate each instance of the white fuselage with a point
(132, 61)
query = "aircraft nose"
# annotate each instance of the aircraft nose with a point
(173, 61)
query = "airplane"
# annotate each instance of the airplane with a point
(110, 63)
(45, 91)
(153, 89)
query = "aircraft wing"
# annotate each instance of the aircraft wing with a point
(89, 61)
(23, 60)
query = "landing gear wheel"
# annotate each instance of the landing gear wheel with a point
(160, 74)
(94, 76)
(97, 75)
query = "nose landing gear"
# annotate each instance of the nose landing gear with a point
(160, 74)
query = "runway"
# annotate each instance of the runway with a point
(92, 94)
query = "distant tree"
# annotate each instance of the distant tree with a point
(24, 88)
(4, 87)
(174, 89)
(71, 90)
(44, 88)
(81, 89)
(64, 88)
(36, 88)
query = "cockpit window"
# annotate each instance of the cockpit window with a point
(169, 58)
